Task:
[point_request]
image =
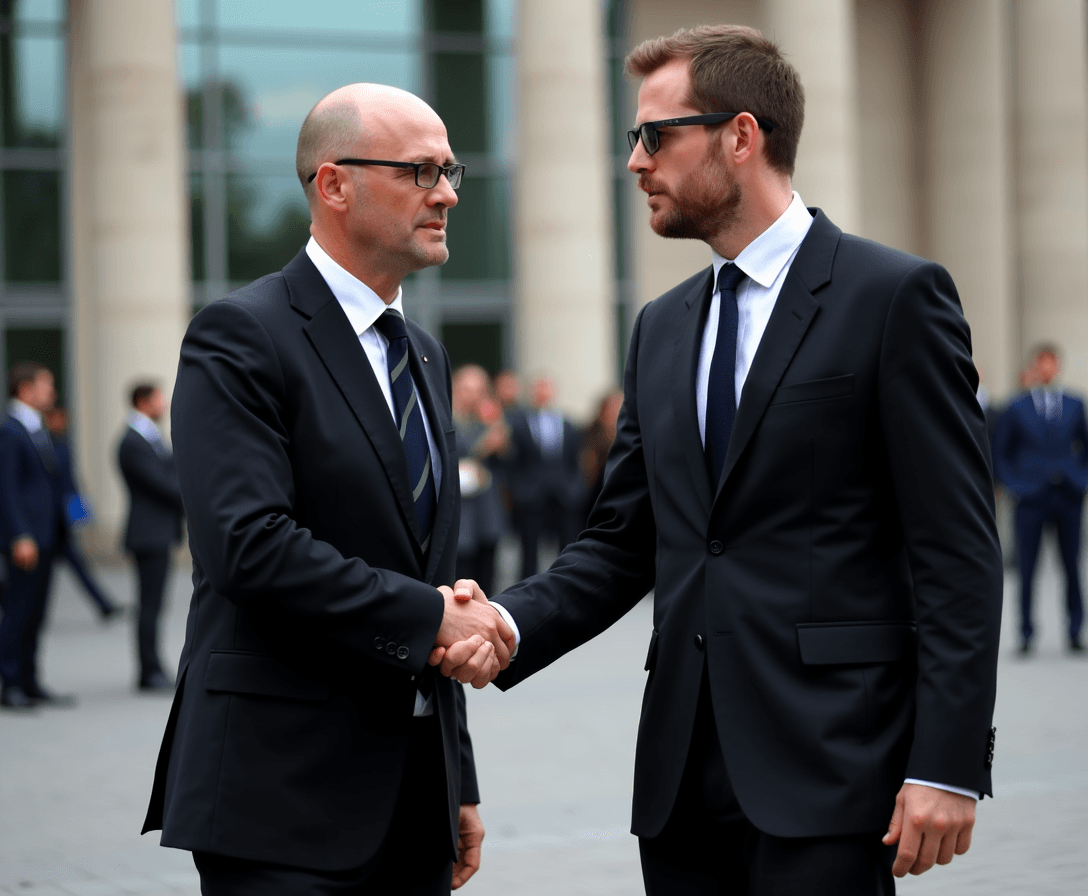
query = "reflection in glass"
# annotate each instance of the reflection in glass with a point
(381, 16)
(32, 233)
(479, 231)
(267, 223)
(267, 92)
(31, 72)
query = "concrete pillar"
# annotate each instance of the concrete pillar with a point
(563, 209)
(129, 233)
(1051, 127)
(817, 36)
(967, 170)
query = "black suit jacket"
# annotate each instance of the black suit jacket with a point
(1032, 454)
(314, 608)
(841, 583)
(155, 506)
(534, 480)
(30, 488)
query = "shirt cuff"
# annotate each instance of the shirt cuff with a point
(509, 620)
(974, 794)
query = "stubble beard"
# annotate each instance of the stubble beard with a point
(705, 204)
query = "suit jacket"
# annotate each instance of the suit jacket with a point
(30, 488)
(534, 480)
(314, 607)
(1032, 453)
(841, 583)
(155, 507)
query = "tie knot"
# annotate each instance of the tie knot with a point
(391, 325)
(729, 277)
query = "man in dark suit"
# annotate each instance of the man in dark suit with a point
(154, 522)
(542, 474)
(310, 748)
(30, 522)
(823, 551)
(1041, 456)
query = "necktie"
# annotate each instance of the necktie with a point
(721, 395)
(409, 416)
(44, 444)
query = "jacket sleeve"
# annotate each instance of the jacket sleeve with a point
(470, 789)
(939, 462)
(233, 452)
(1006, 435)
(16, 522)
(145, 472)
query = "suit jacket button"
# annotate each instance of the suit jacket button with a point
(402, 652)
(699, 642)
(716, 547)
(391, 648)
(379, 643)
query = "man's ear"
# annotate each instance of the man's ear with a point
(333, 187)
(743, 137)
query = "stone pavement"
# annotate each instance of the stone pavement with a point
(555, 758)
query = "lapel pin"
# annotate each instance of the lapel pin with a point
(424, 359)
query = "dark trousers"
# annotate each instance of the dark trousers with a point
(152, 568)
(534, 521)
(708, 847)
(414, 859)
(78, 564)
(1062, 507)
(478, 565)
(24, 602)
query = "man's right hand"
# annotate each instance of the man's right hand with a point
(473, 643)
(24, 553)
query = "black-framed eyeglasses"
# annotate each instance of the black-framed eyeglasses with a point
(647, 131)
(427, 173)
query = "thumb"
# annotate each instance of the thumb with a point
(436, 656)
(895, 827)
(468, 589)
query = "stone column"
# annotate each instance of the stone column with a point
(1051, 96)
(129, 233)
(563, 211)
(817, 36)
(967, 127)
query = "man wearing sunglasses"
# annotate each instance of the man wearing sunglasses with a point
(310, 747)
(801, 474)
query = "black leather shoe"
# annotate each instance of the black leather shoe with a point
(110, 613)
(16, 698)
(1075, 644)
(47, 698)
(156, 682)
(1025, 647)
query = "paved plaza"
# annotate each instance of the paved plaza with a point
(555, 759)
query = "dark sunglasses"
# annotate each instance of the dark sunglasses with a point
(647, 131)
(427, 173)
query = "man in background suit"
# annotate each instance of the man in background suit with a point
(310, 748)
(1041, 456)
(543, 474)
(154, 522)
(30, 521)
(801, 473)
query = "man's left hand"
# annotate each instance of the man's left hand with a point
(931, 826)
(470, 837)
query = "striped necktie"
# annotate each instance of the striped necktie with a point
(409, 416)
(721, 395)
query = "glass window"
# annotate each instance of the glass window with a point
(501, 19)
(476, 342)
(31, 81)
(38, 11)
(267, 92)
(478, 236)
(196, 227)
(32, 232)
(501, 83)
(44, 345)
(187, 13)
(466, 17)
(267, 223)
(380, 16)
(460, 98)
(189, 58)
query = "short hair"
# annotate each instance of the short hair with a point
(23, 372)
(331, 130)
(734, 69)
(1046, 348)
(141, 392)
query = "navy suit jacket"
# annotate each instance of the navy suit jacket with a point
(840, 584)
(1032, 453)
(155, 507)
(30, 489)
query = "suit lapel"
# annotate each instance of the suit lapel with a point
(689, 341)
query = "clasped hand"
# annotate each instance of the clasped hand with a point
(474, 643)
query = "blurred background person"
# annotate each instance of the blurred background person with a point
(508, 389)
(154, 522)
(596, 440)
(1041, 456)
(75, 512)
(543, 475)
(30, 522)
(483, 438)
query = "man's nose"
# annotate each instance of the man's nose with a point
(442, 193)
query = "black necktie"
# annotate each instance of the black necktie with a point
(409, 416)
(721, 393)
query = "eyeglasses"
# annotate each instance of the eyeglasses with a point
(648, 130)
(427, 173)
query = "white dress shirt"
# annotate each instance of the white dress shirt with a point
(363, 307)
(26, 415)
(149, 429)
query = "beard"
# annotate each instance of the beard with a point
(704, 205)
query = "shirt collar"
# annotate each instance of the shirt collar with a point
(145, 426)
(361, 304)
(26, 415)
(764, 258)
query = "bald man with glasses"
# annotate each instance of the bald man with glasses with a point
(310, 747)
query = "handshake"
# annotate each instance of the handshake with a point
(474, 643)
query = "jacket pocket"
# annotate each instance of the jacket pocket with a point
(840, 643)
(815, 390)
(234, 672)
(651, 654)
